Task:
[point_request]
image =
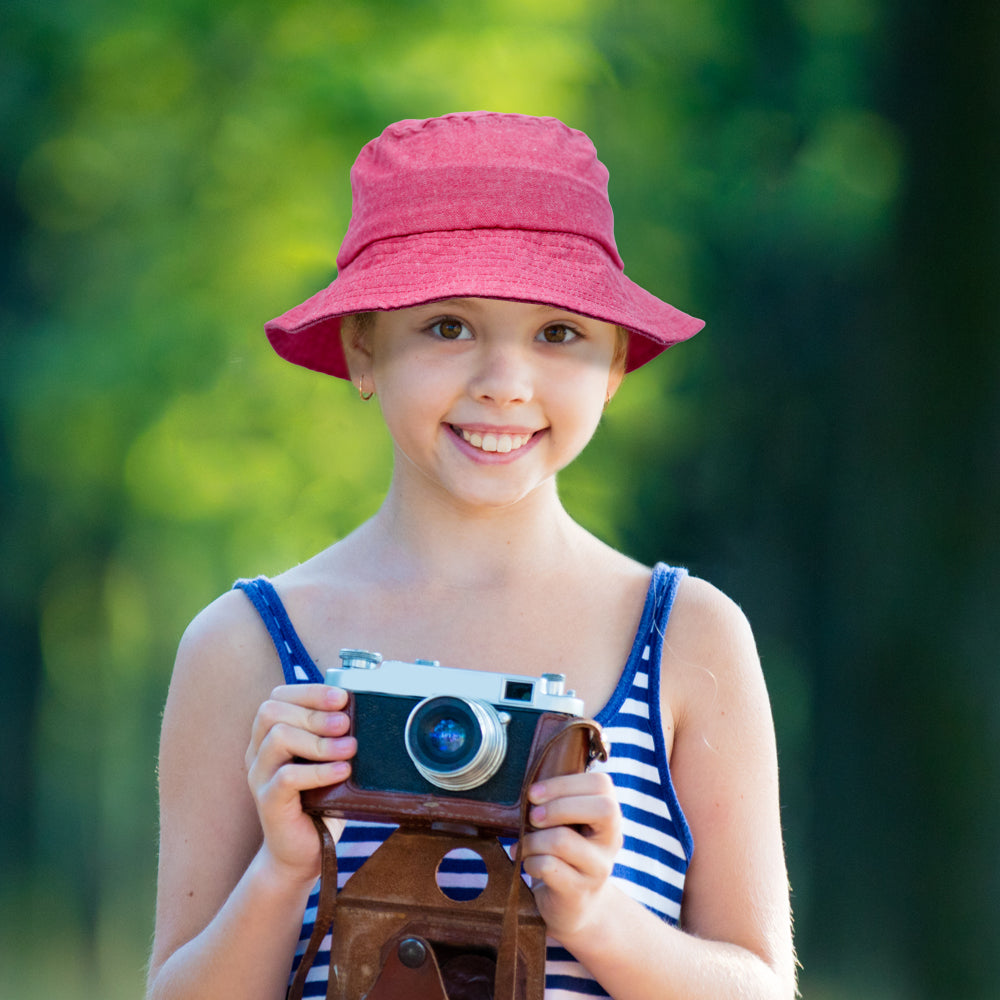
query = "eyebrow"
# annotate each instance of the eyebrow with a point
(458, 300)
(473, 300)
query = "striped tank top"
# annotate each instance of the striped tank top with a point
(657, 842)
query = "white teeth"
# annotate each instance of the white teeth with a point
(502, 443)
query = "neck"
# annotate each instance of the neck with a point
(433, 540)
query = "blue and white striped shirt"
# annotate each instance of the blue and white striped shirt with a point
(657, 842)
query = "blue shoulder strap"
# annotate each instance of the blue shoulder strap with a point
(647, 646)
(296, 663)
(662, 591)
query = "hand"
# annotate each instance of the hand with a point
(571, 852)
(298, 742)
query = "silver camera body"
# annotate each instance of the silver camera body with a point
(439, 730)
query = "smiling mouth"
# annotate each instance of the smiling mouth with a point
(500, 443)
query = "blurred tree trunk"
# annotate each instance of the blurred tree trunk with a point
(918, 797)
(20, 655)
(21, 659)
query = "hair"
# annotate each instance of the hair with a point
(359, 323)
(622, 337)
(363, 322)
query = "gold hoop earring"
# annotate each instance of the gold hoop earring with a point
(365, 396)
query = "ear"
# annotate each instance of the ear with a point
(355, 339)
(615, 379)
(619, 362)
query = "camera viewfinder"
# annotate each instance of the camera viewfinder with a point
(518, 691)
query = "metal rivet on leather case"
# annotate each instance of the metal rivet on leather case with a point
(412, 952)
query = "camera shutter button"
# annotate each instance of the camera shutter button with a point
(360, 659)
(554, 684)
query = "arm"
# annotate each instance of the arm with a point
(238, 857)
(735, 940)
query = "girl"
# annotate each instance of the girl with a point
(480, 295)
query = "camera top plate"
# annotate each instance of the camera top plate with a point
(364, 671)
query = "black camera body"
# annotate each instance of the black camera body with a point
(428, 730)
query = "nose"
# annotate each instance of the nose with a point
(502, 375)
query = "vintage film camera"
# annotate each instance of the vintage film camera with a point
(447, 755)
(438, 744)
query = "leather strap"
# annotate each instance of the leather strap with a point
(325, 911)
(506, 977)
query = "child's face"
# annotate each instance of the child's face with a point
(486, 398)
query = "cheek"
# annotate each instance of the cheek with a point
(576, 413)
(411, 407)
(591, 385)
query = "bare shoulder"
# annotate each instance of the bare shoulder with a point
(229, 631)
(226, 666)
(709, 650)
(706, 622)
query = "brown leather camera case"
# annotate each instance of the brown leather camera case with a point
(395, 934)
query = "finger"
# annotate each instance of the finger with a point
(283, 786)
(276, 779)
(562, 848)
(554, 874)
(595, 816)
(321, 714)
(286, 743)
(311, 695)
(566, 785)
(321, 698)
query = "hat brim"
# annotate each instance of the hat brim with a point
(553, 268)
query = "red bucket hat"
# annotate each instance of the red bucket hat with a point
(478, 204)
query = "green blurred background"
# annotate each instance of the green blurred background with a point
(817, 178)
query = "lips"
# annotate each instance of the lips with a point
(499, 442)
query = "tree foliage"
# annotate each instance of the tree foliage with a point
(816, 178)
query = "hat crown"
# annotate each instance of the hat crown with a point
(478, 203)
(478, 170)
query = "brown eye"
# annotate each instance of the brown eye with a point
(451, 329)
(557, 333)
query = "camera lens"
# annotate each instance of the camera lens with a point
(445, 740)
(456, 743)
